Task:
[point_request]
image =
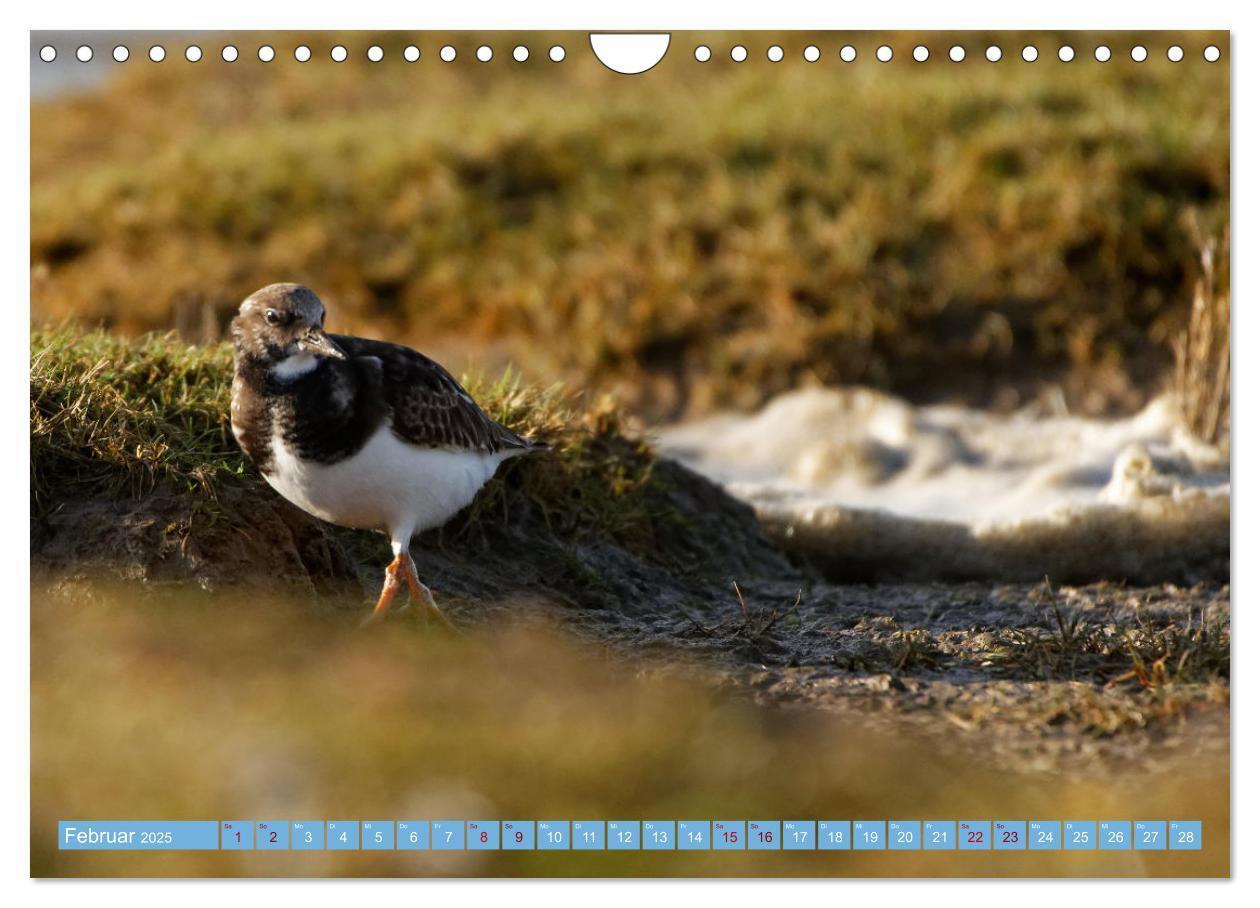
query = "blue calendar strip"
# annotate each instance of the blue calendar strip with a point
(630, 835)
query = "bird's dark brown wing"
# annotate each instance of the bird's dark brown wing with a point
(428, 406)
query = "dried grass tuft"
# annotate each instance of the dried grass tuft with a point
(1202, 351)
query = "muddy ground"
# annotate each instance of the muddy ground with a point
(1048, 677)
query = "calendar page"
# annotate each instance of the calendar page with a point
(604, 454)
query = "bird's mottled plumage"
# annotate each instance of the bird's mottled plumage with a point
(427, 407)
(358, 432)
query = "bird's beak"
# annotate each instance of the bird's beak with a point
(317, 342)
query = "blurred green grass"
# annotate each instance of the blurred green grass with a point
(693, 237)
(178, 704)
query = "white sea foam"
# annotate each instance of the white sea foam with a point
(868, 485)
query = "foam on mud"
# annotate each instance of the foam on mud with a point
(867, 486)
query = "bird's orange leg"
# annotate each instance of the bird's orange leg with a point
(392, 585)
(421, 594)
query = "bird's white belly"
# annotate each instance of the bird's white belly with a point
(387, 485)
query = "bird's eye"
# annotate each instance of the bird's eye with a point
(273, 316)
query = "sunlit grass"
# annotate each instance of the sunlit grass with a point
(115, 418)
(108, 414)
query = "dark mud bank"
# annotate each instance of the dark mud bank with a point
(701, 540)
(1166, 543)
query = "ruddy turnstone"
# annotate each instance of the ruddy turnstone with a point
(358, 432)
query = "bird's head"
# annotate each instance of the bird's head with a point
(282, 323)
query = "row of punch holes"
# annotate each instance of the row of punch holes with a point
(703, 54)
(302, 53)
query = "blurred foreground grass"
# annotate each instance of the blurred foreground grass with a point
(696, 236)
(175, 704)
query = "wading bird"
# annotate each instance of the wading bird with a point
(358, 432)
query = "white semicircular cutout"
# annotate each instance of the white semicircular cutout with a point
(629, 54)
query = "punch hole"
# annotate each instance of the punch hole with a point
(485, 53)
(447, 53)
(812, 54)
(121, 54)
(520, 53)
(229, 53)
(157, 53)
(703, 54)
(1138, 53)
(1176, 54)
(921, 54)
(375, 53)
(556, 53)
(411, 53)
(48, 53)
(774, 54)
(1211, 53)
(848, 53)
(1102, 53)
(339, 53)
(266, 53)
(958, 53)
(884, 53)
(1067, 54)
(302, 53)
(84, 53)
(1029, 53)
(628, 54)
(192, 53)
(739, 53)
(993, 53)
